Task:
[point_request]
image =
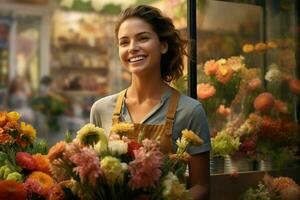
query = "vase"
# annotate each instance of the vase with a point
(242, 164)
(217, 165)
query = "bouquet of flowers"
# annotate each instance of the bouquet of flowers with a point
(24, 166)
(274, 188)
(94, 166)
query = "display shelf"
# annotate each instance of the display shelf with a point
(82, 93)
(67, 69)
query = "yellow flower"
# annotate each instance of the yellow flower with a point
(192, 137)
(248, 48)
(90, 134)
(43, 179)
(112, 168)
(28, 132)
(13, 116)
(122, 128)
(182, 144)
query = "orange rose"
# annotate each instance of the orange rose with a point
(294, 85)
(224, 73)
(254, 84)
(281, 106)
(205, 90)
(223, 111)
(211, 67)
(264, 102)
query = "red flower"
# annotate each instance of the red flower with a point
(12, 190)
(133, 145)
(25, 160)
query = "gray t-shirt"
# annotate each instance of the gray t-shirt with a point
(189, 115)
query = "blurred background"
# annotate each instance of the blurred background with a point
(57, 57)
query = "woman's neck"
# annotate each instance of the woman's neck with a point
(146, 88)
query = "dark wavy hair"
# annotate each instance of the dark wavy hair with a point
(172, 61)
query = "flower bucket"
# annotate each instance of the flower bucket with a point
(242, 164)
(217, 165)
(266, 164)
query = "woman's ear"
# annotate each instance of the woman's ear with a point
(164, 47)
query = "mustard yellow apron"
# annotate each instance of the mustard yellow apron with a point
(159, 132)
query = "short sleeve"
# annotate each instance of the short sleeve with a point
(95, 116)
(198, 123)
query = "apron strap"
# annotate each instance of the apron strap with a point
(118, 107)
(172, 110)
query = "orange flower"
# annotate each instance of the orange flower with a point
(294, 85)
(272, 44)
(223, 111)
(42, 178)
(254, 84)
(281, 107)
(248, 48)
(205, 90)
(260, 46)
(3, 118)
(224, 74)
(57, 192)
(42, 163)
(10, 189)
(264, 102)
(211, 67)
(6, 138)
(56, 150)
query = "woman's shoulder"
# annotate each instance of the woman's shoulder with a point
(105, 102)
(188, 102)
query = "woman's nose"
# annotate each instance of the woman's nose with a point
(133, 47)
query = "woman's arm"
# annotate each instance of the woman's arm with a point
(199, 176)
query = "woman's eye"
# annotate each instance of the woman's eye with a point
(144, 38)
(122, 43)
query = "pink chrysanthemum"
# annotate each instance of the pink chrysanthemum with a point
(34, 188)
(25, 160)
(145, 169)
(87, 163)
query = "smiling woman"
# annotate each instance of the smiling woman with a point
(152, 50)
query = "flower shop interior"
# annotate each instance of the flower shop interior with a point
(57, 57)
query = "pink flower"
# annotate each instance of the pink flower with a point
(145, 169)
(211, 67)
(88, 165)
(25, 160)
(205, 90)
(33, 188)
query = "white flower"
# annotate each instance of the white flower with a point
(67, 3)
(173, 189)
(118, 147)
(273, 74)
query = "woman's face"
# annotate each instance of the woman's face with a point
(139, 47)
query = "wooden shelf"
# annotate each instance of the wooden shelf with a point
(100, 70)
